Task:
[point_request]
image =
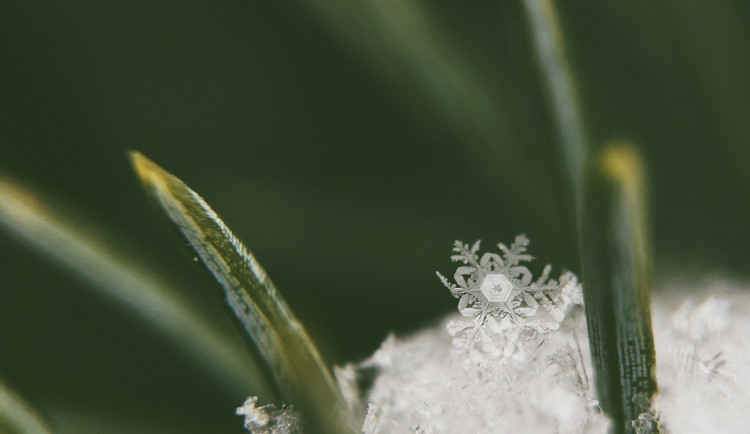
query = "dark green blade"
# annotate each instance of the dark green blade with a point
(75, 243)
(563, 104)
(616, 284)
(266, 320)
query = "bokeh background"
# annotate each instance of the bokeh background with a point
(348, 144)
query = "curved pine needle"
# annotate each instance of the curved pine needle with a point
(26, 216)
(293, 360)
(403, 41)
(561, 89)
(563, 104)
(17, 416)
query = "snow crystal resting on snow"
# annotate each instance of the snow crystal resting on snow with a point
(703, 365)
(516, 366)
(515, 359)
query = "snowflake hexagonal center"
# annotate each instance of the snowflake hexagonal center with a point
(496, 288)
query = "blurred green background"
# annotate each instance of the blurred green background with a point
(348, 144)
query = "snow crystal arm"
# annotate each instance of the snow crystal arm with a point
(466, 254)
(456, 291)
(517, 251)
(492, 262)
(465, 271)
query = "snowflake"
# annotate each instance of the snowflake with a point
(498, 291)
(265, 419)
(649, 421)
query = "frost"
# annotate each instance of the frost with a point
(426, 385)
(503, 365)
(346, 378)
(372, 420)
(430, 387)
(267, 420)
(703, 357)
(498, 292)
(649, 421)
(501, 371)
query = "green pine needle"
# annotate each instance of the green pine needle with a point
(297, 368)
(616, 275)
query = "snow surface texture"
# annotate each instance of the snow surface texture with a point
(515, 359)
(426, 385)
(702, 335)
(516, 366)
(703, 365)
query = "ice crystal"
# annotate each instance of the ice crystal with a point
(502, 370)
(703, 363)
(703, 350)
(497, 366)
(649, 421)
(372, 420)
(498, 292)
(426, 386)
(265, 419)
(346, 378)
